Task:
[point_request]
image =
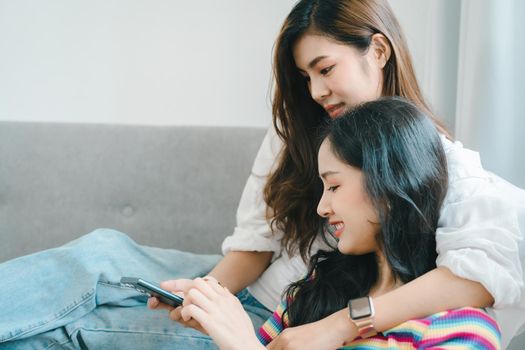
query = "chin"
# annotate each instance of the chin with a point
(346, 249)
(350, 249)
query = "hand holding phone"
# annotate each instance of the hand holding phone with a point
(152, 290)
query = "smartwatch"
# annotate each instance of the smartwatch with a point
(361, 312)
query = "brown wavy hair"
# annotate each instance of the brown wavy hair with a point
(293, 189)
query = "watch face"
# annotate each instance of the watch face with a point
(360, 308)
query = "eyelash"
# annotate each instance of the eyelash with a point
(323, 71)
(326, 70)
(332, 188)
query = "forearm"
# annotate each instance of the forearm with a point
(437, 290)
(238, 269)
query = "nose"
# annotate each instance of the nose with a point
(318, 89)
(324, 209)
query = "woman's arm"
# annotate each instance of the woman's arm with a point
(237, 270)
(222, 316)
(478, 229)
(248, 252)
(436, 291)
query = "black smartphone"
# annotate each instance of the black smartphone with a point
(152, 290)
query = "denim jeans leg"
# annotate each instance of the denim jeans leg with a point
(56, 339)
(51, 289)
(134, 327)
(137, 327)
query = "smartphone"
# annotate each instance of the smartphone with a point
(152, 290)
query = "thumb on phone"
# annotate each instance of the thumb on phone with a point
(177, 286)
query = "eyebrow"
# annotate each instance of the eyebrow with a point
(314, 62)
(327, 173)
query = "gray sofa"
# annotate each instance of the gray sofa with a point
(169, 186)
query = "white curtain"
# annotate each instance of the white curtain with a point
(490, 105)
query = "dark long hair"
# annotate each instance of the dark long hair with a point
(400, 153)
(293, 189)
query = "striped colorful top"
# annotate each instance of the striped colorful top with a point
(465, 328)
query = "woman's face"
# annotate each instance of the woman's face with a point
(346, 205)
(338, 76)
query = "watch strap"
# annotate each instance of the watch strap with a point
(365, 328)
(364, 323)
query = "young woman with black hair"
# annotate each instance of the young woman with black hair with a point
(384, 176)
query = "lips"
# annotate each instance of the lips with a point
(336, 228)
(334, 110)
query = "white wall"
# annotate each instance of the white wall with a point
(170, 62)
(130, 61)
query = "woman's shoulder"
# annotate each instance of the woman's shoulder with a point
(268, 154)
(467, 178)
(462, 162)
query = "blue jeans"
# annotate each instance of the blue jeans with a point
(70, 297)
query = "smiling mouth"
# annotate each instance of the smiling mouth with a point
(336, 230)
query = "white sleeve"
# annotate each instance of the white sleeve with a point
(478, 231)
(252, 232)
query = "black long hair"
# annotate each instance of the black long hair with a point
(399, 151)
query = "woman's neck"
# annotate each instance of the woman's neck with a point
(386, 281)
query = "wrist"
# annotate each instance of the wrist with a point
(345, 329)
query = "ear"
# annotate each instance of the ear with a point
(381, 49)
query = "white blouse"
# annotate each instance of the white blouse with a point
(477, 236)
